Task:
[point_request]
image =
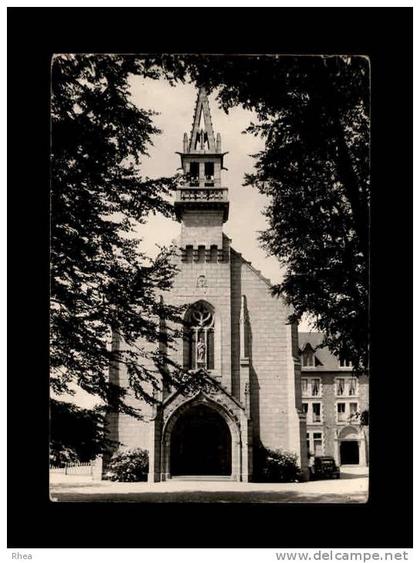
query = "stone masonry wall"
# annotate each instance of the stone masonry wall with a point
(127, 430)
(202, 228)
(269, 350)
(217, 290)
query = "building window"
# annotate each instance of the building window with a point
(317, 440)
(308, 358)
(316, 412)
(305, 409)
(311, 387)
(347, 412)
(345, 363)
(346, 386)
(315, 387)
(352, 386)
(314, 443)
(199, 337)
(340, 386)
(353, 411)
(341, 412)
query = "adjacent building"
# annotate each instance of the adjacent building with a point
(335, 402)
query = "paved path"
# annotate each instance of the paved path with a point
(351, 488)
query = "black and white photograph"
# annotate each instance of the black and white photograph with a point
(210, 288)
(209, 278)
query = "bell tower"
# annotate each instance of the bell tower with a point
(202, 203)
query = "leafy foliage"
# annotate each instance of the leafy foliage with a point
(361, 417)
(364, 418)
(129, 465)
(77, 434)
(60, 455)
(275, 466)
(101, 283)
(313, 113)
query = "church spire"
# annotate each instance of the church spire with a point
(201, 197)
(202, 134)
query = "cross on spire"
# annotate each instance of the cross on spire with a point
(202, 134)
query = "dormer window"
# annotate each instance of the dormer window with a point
(308, 358)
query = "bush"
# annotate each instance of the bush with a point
(275, 466)
(60, 455)
(364, 418)
(129, 465)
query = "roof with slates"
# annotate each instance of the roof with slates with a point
(315, 339)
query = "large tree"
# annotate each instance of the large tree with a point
(77, 434)
(101, 282)
(313, 113)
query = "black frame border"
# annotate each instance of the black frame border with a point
(383, 34)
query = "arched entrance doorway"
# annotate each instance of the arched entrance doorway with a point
(351, 446)
(201, 443)
(349, 452)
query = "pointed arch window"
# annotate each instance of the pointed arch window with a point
(199, 337)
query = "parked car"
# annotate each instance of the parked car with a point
(324, 467)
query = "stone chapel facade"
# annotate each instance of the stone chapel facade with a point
(236, 331)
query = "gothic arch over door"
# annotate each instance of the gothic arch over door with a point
(201, 443)
(201, 438)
